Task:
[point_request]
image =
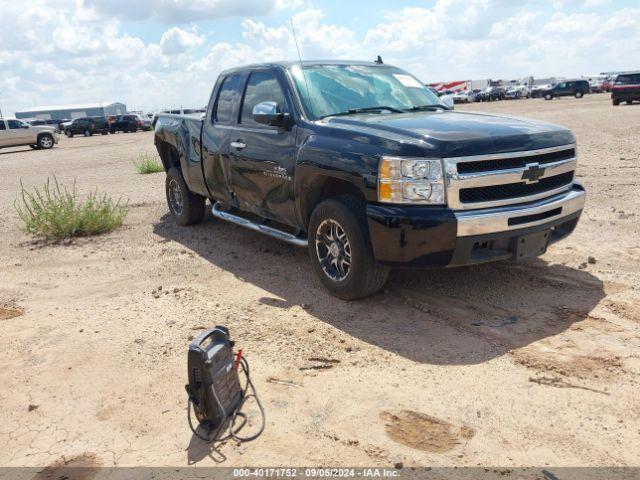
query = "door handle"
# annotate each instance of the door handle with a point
(238, 144)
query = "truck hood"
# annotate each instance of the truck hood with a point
(43, 128)
(455, 133)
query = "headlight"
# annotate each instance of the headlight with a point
(410, 180)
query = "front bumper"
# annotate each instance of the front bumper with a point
(441, 237)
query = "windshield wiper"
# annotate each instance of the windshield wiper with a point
(420, 108)
(352, 111)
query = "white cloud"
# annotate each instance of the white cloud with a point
(572, 23)
(46, 50)
(596, 3)
(176, 41)
(182, 11)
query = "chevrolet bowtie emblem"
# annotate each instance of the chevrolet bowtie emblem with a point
(533, 173)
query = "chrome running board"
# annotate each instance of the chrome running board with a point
(217, 212)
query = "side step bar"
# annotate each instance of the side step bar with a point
(217, 212)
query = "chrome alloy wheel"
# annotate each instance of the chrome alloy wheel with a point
(46, 142)
(175, 197)
(333, 250)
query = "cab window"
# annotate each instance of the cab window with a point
(262, 87)
(15, 124)
(227, 98)
(2, 127)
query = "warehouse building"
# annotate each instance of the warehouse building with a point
(69, 112)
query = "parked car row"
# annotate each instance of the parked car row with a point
(57, 124)
(492, 93)
(88, 126)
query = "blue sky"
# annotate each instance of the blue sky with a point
(154, 54)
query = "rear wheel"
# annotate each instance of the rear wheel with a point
(629, 102)
(579, 94)
(340, 249)
(87, 133)
(548, 96)
(68, 133)
(186, 207)
(45, 141)
(615, 102)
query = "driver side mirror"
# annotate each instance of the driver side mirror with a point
(269, 113)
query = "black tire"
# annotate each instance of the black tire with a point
(68, 133)
(33, 146)
(364, 276)
(579, 94)
(548, 96)
(104, 133)
(87, 133)
(186, 207)
(615, 102)
(629, 102)
(45, 141)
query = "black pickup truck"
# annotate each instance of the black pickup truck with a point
(363, 165)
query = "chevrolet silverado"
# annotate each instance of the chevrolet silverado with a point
(361, 164)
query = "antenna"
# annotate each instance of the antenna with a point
(304, 76)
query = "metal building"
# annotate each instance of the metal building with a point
(59, 112)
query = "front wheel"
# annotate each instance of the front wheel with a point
(340, 249)
(579, 94)
(615, 102)
(45, 141)
(548, 96)
(87, 133)
(68, 133)
(186, 207)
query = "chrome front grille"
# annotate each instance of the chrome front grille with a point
(482, 181)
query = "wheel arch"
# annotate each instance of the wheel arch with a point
(168, 155)
(316, 187)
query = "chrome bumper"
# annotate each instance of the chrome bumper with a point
(501, 219)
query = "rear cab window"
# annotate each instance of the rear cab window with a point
(628, 79)
(226, 100)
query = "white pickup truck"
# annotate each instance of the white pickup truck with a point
(15, 133)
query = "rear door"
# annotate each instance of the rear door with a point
(263, 156)
(215, 136)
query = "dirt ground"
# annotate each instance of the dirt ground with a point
(526, 364)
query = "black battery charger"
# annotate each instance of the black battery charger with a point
(214, 389)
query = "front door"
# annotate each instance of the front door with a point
(263, 157)
(19, 133)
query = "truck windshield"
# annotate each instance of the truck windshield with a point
(341, 89)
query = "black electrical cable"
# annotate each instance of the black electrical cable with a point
(233, 430)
